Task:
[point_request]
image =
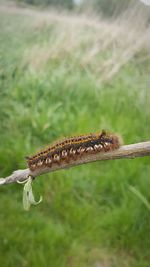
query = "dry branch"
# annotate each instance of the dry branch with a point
(127, 151)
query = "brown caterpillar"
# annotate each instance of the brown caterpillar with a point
(72, 148)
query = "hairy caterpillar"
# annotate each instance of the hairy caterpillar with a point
(72, 148)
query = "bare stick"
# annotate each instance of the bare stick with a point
(128, 151)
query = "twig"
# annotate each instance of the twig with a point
(127, 151)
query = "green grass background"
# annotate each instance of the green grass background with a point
(88, 216)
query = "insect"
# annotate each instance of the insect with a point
(72, 148)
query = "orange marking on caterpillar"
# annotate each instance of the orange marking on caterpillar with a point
(72, 148)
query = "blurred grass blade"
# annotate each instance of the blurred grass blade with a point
(140, 196)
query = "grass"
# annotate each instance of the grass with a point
(64, 75)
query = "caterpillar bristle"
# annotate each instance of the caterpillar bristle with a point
(73, 147)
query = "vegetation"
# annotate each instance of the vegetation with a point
(105, 7)
(55, 3)
(62, 75)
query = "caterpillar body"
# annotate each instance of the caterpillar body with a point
(72, 148)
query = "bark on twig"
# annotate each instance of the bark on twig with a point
(127, 151)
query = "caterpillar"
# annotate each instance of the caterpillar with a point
(72, 148)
